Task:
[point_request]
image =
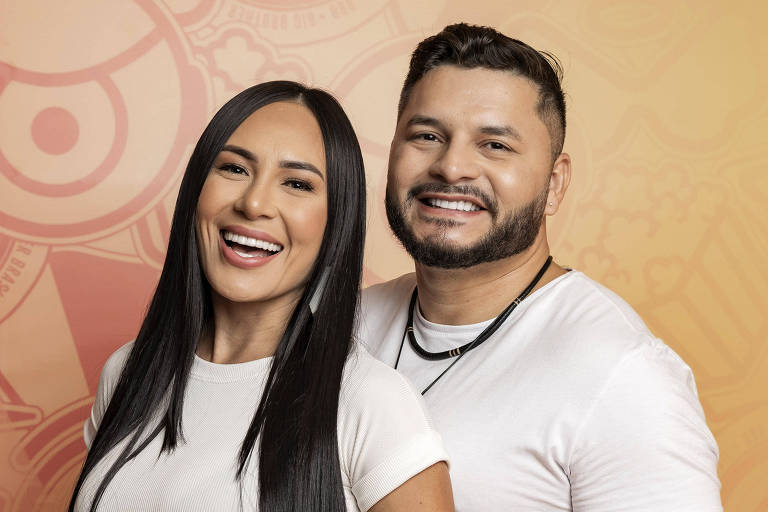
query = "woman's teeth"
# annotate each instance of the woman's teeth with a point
(452, 205)
(254, 243)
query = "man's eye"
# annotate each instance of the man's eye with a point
(428, 137)
(233, 168)
(498, 146)
(299, 185)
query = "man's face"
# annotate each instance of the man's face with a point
(469, 168)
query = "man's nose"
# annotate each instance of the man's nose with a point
(456, 163)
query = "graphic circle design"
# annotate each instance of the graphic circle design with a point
(55, 130)
(76, 177)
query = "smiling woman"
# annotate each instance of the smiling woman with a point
(247, 340)
(264, 202)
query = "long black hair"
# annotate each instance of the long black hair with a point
(296, 417)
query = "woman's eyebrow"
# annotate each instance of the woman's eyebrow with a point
(240, 151)
(298, 164)
(285, 164)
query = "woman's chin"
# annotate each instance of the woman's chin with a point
(243, 294)
(244, 297)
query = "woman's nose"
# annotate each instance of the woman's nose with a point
(256, 201)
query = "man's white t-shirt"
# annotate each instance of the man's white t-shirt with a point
(571, 405)
(384, 439)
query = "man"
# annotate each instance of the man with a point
(549, 391)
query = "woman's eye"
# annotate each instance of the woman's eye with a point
(299, 185)
(233, 168)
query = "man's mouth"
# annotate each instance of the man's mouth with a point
(248, 247)
(465, 206)
(463, 199)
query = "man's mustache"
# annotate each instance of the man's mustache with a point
(487, 201)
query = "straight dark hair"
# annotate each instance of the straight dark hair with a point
(473, 46)
(296, 417)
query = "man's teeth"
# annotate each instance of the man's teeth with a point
(453, 205)
(252, 242)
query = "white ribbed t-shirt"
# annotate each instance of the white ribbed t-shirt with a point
(384, 439)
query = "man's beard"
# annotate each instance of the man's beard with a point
(507, 237)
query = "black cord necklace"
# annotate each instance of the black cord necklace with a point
(459, 352)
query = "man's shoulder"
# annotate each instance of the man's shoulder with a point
(601, 351)
(593, 305)
(620, 325)
(381, 307)
(587, 324)
(380, 302)
(389, 292)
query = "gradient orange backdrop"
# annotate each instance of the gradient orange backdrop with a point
(100, 102)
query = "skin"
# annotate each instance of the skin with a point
(268, 191)
(476, 127)
(429, 491)
(270, 194)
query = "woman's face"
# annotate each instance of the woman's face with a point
(263, 207)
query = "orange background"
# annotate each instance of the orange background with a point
(100, 102)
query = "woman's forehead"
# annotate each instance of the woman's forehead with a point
(285, 128)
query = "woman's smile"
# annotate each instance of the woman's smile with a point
(247, 248)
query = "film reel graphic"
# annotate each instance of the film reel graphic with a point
(80, 171)
(85, 154)
(49, 455)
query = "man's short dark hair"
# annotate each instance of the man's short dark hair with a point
(472, 46)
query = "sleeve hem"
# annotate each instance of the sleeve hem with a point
(411, 459)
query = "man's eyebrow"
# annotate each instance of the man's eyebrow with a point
(501, 131)
(303, 166)
(425, 120)
(240, 151)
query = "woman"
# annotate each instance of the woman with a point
(262, 272)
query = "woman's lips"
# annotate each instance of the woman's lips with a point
(245, 262)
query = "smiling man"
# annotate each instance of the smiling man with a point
(549, 391)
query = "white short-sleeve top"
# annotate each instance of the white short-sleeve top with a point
(384, 439)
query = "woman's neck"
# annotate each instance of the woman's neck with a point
(244, 332)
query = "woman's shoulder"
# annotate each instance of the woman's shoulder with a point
(114, 364)
(110, 372)
(373, 392)
(385, 436)
(367, 377)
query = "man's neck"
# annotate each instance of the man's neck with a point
(480, 293)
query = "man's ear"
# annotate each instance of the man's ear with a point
(559, 180)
